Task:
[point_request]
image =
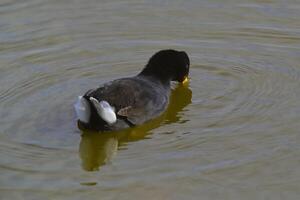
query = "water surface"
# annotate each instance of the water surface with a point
(232, 133)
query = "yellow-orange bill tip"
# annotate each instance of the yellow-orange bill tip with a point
(185, 80)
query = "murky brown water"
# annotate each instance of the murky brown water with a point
(233, 133)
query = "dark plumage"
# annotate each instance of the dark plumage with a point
(136, 99)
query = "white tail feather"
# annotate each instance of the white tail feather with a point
(82, 109)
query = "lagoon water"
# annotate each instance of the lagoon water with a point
(232, 133)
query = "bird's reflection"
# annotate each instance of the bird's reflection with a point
(97, 149)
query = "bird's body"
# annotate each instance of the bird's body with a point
(131, 101)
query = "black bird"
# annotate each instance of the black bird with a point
(131, 101)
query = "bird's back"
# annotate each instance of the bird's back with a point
(143, 98)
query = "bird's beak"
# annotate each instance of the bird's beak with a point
(185, 80)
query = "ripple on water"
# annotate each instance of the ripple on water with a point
(236, 93)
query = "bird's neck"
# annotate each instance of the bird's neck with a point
(156, 75)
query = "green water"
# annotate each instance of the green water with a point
(232, 133)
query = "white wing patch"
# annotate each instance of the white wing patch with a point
(104, 110)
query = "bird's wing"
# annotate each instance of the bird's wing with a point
(137, 100)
